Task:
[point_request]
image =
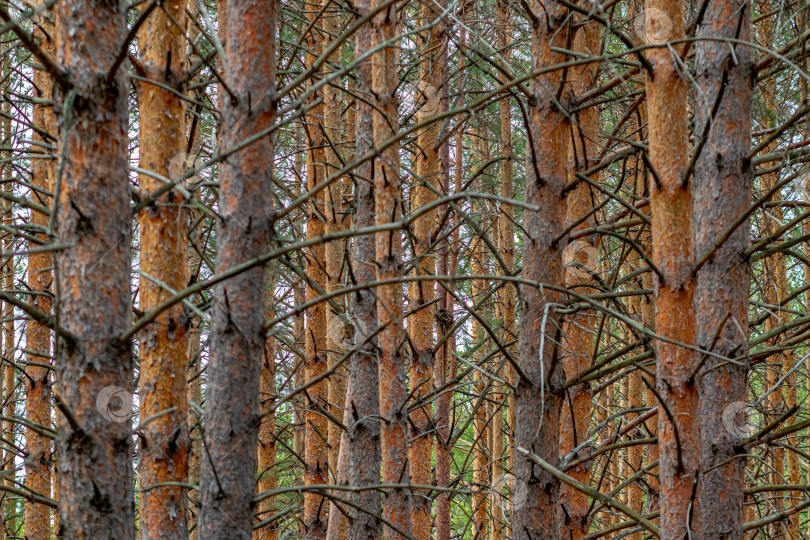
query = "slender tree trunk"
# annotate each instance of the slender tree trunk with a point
(671, 209)
(581, 258)
(388, 208)
(420, 325)
(538, 398)
(266, 469)
(316, 432)
(94, 365)
(364, 401)
(237, 328)
(722, 194)
(39, 458)
(164, 441)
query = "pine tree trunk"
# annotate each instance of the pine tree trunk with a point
(722, 194)
(38, 397)
(673, 256)
(316, 431)
(538, 397)
(237, 334)
(388, 244)
(364, 401)
(94, 365)
(164, 441)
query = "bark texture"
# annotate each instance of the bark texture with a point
(722, 194)
(237, 328)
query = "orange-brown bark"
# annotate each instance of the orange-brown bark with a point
(316, 430)
(266, 468)
(393, 385)
(164, 442)
(673, 256)
(237, 335)
(538, 397)
(578, 330)
(428, 99)
(38, 462)
(94, 368)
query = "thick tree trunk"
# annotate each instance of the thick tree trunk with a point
(393, 385)
(364, 402)
(237, 328)
(671, 209)
(164, 441)
(722, 194)
(94, 365)
(538, 397)
(39, 458)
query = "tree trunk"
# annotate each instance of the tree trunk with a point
(39, 458)
(237, 327)
(364, 401)
(94, 365)
(316, 432)
(164, 441)
(267, 468)
(538, 398)
(673, 256)
(722, 194)
(388, 206)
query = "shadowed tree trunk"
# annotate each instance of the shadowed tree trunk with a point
(94, 364)
(581, 258)
(164, 441)
(722, 194)
(364, 402)
(538, 397)
(237, 327)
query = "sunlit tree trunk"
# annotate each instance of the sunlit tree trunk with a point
(428, 99)
(94, 365)
(237, 334)
(164, 441)
(40, 279)
(673, 256)
(388, 207)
